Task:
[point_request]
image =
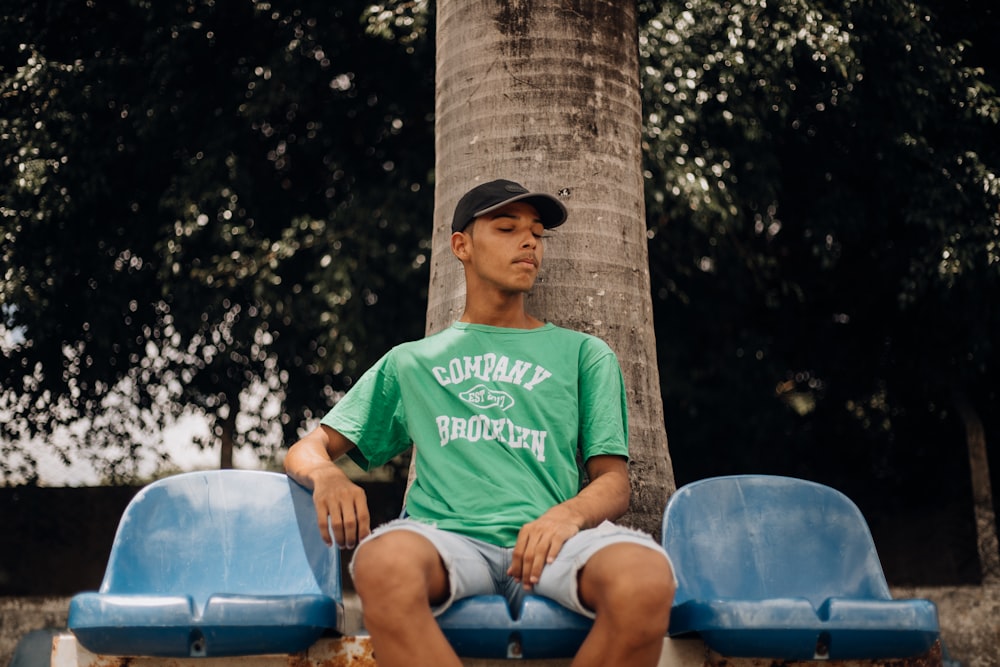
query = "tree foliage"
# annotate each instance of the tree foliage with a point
(823, 198)
(203, 203)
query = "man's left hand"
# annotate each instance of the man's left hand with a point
(539, 542)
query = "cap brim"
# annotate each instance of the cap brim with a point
(550, 210)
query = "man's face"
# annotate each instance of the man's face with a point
(505, 247)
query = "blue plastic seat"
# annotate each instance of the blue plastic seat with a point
(218, 563)
(484, 627)
(784, 568)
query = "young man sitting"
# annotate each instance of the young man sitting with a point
(497, 407)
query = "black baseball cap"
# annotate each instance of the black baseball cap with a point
(488, 197)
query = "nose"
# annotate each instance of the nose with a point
(529, 240)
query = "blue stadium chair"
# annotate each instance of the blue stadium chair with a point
(484, 626)
(218, 563)
(783, 568)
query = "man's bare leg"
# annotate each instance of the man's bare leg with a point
(398, 575)
(630, 588)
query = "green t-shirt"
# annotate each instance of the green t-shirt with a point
(496, 415)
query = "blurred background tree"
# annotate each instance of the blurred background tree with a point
(219, 207)
(225, 207)
(823, 210)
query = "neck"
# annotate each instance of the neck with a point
(510, 314)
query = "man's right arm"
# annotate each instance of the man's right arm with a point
(340, 503)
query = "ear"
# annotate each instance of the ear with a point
(460, 245)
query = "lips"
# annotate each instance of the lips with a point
(526, 259)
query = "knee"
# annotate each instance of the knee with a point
(648, 590)
(636, 591)
(399, 569)
(377, 566)
(655, 592)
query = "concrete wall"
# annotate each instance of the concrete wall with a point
(21, 615)
(970, 621)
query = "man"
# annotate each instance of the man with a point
(497, 407)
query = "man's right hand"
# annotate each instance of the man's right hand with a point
(341, 508)
(341, 505)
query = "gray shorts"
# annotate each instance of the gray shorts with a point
(479, 568)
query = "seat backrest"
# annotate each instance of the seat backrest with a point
(221, 531)
(762, 537)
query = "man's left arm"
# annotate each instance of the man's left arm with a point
(606, 497)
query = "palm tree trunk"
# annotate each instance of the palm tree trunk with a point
(982, 491)
(227, 431)
(546, 92)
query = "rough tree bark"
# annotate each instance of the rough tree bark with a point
(546, 93)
